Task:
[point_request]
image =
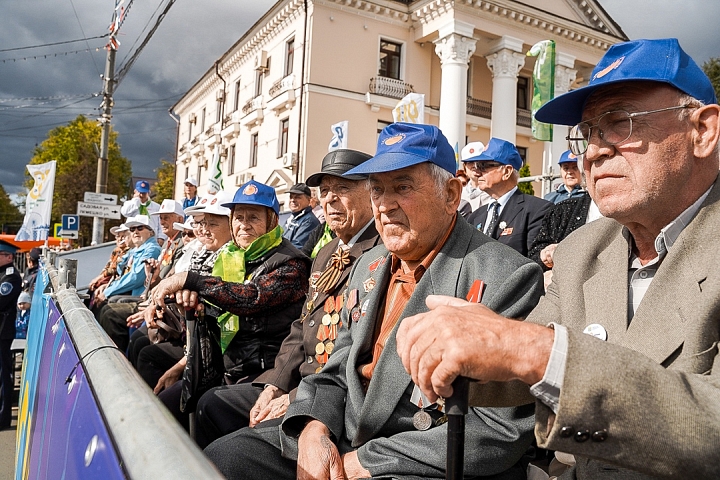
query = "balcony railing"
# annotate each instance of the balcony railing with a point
(524, 118)
(479, 108)
(389, 87)
(227, 119)
(281, 85)
(252, 104)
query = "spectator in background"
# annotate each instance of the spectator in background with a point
(316, 207)
(32, 259)
(111, 267)
(513, 218)
(190, 232)
(472, 195)
(302, 221)
(141, 204)
(462, 176)
(23, 315)
(10, 289)
(571, 177)
(190, 198)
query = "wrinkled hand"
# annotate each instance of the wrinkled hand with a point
(171, 376)
(269, 405)
(353, 469)
(318, 457)
(136, 319)
(546, 255)
(173, 285)
(458, 338)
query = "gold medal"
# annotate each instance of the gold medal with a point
(422, 420)
(329, 347)
(334, 318)
(326, 319)
(320, 348)
(317, 370)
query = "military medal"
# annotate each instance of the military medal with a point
(355, 315)
(422, 420)
(352, 299)
(368, 285)
(320, 348)
(317, 370)
(329, 347)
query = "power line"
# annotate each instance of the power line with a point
(83, 32)
(44, 56)
(52, 44)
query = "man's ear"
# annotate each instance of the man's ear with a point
(453, 192)
(706, 133)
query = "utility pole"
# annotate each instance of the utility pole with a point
(102, 168)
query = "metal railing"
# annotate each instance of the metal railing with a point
(524, 118)
(479, 108)
(150, 443)
(390, 87)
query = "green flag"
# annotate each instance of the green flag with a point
(215, 175)
(543, 85)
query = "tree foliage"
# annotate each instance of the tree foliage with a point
(164, 187)
(10, 216)
(73, 147)
(712, 70)
(525, 187)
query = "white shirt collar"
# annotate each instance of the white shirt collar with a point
(355, 238)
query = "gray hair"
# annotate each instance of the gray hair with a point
(440, 176)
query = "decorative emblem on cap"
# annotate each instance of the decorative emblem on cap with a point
(472, 150)
(394, 139)
(214, 200)
(609, 68)
(204, 200)
(572, 155)
(250, 190)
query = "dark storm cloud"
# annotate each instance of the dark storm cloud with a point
(191, 37)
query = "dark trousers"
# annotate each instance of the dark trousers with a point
(7, 383)
(113, 319)
(156, 359)
(252, 453)
(223, 410)
(138, 340)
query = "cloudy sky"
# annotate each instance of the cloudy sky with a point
(38, 94)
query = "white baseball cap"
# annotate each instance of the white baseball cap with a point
(143, 220)
(471, 151)
(211, 204)
(170, 206)
(192, 181)
(183, 226)
(119, 229)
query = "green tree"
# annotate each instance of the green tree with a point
(10, 216)
(73, 147)
(712, 70)
(525, 187)
(165, 185)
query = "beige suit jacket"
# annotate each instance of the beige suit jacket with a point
(648, 398)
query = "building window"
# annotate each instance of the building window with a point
(523, 93)
(236, 98)
(253, 150)
(289, 56)
(469, 78)
(523, 154)
(187, 172)
(199, 171)
(219, 105)
(202, 120)
(190, 125)
(390, 59)
(259, 77)
(283, 139)
(231, 159)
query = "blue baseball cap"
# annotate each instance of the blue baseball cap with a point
(255, 193)
(142, 186)
(660, 60)
(501, 151)
(406, 144)
(568, 157)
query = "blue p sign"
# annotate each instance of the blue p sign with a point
(71, 223)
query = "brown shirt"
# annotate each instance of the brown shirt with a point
(400, 288)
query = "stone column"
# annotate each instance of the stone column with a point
(454, 47)
(505, 60)
(565, 74)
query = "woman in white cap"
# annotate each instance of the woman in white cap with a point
(110, 271)
(256, 289)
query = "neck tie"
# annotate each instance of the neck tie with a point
(493, 216)
(329, 278)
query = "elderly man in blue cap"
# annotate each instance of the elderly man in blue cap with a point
(362, 416)
(513, 218)
(571, 186)
(10, 288)
(625, 377)
(141, 204)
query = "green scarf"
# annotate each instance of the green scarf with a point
(324, 240)
(143, 208)
(230, 266)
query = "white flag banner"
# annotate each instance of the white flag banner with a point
(339, 139)
(215, 175)
(38, 204)
(411, 109)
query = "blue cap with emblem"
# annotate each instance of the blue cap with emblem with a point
(142, 186)
(255, 193)
(406, 144)
(7, 247)
(661, 60)
(567, 157)
(501, 151)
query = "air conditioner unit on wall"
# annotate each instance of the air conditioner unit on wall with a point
(220, 95)
(192, 118)
(289, 160)
(261, 60)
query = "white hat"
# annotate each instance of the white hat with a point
(183, 226)
(211, 204)
(192, 181)
(119, 229)
(143, 220)
(170, 206)
(471, 150)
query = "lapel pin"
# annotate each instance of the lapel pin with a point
(596, 330)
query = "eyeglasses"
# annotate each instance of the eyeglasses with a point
(205, 224)
(483, 166)
(188, 234)
(139, 228)
(612, 127)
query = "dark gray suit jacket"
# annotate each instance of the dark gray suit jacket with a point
(653, 386)
(379, 424)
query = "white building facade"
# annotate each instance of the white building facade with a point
(268, 103)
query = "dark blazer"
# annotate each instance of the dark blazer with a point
(377, 422)
(562, 219)
(522, 215)
(296, 357)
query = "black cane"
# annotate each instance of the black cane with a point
(456, 407)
